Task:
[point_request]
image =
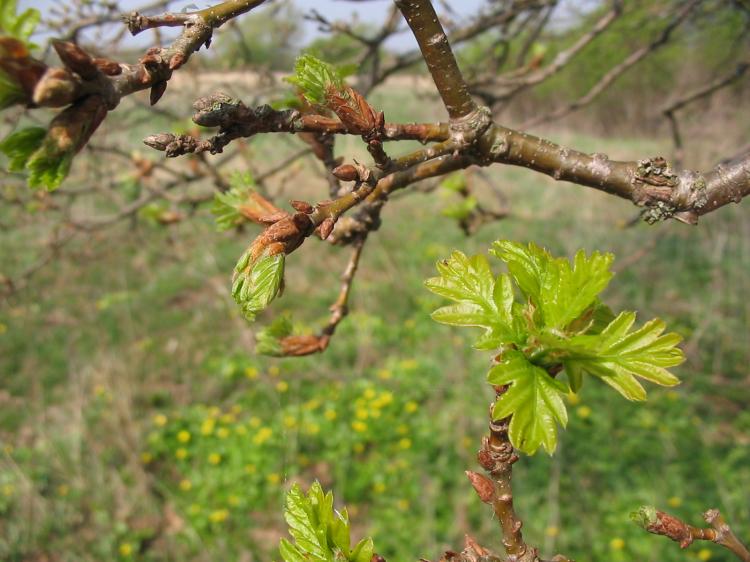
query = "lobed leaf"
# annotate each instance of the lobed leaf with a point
(20, 26)
(618, 356)
(482, 300)
(268, 340)
(320, 533)
(534, 400)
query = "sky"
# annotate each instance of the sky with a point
(372, 11)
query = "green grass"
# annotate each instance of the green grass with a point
(132, 338)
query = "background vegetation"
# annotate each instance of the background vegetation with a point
(137, 424)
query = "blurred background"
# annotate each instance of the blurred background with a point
(136, 422)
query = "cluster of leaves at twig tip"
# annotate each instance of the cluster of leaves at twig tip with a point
(315, 79)
(257, 281)
(227, 206)
(559, 326)
(320, 533)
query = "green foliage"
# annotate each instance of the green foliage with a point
(315, 78)
(320, 533)
(19, 26)
(34, 151)
(534, 399)
(226, 206)
(559, 324)
(644, 516)
(267, 339)
(20, 145)
(10, 91)
(257, 282)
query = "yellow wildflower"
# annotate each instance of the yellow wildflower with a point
(160, 420)
(251, 373)
(183, 436)
(214, 458)
(274, 371)
(125, 549)
(146, 457)
(704, 554)
(312, 429)
(583, 412)
(240, 430)
(573, 399)
(273, 478)
(674, 501)
(214, 412)
(233, 501)
(402, 504)
(290, 422)
(250, 469)
(330, 415)
(255, 422)
(369, 394)
(378, 488)
(263, 435)
(181, 453)
(359, 426)
(8, 490)
(361, 414)
(384, 374)
(228, 419)
(409, 364)
(222, 433)
(194, 509)
(282, 386)
(219, 516)
(62, 490)
(410, 407)
(207, 427)
(185, 485)
(617, 544)
(552, 531)
(404, 443)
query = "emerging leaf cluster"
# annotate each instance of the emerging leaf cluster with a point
(268, 340)
(19, 26)
(558, 326)
(257, 282)
(226, 206)
(33, 151)
(315, 79)
(320, 533)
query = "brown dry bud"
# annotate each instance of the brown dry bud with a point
(301, 206)
(157, 91)
(297, 346)
(483, 486)
(76, 59)
(159, 141)
(108, 67)
(326, 227)
(346, 172)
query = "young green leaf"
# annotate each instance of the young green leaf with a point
(257, 283)
(20, 145)
(315, 79)
(527, 266)
(482, 300)
(320, 533)
(226, 208)
(19, 26)
(11, 92)
(534, 400)
(618, 356)
(267, 341)
(48, 167)
(568, 291)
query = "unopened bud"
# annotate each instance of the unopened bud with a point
(483, 486)
(326, 227)
(301, 206)
(56, 88)
(157, 91)
(159, 141)
(346, 172)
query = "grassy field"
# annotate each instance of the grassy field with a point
(137, 424)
